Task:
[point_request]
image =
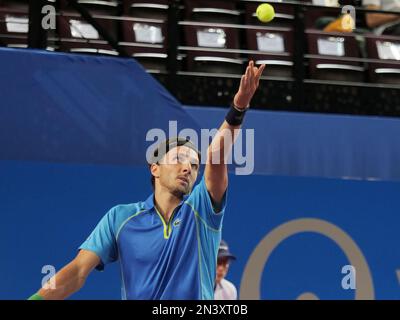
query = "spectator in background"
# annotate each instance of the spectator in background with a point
(331, 20)
(344, 23)
(224, 289)
(383, 23)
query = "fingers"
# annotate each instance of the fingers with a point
(251, 76)
(260, 71)
(251, 70)
(248, 72)
(245, 78)
(251, 64)
(253, 73)
(242, 81)
(244, 84)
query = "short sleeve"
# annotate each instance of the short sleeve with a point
(102, 240)
(201, 201)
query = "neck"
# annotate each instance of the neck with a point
(165, 202)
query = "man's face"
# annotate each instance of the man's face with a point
(177, 171)
(222, 268)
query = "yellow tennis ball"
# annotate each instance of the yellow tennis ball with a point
(265, 12)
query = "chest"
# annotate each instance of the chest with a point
(150, 238)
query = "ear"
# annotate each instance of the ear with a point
(155, 170)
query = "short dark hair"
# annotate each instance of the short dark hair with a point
(168, 145)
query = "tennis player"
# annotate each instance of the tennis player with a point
(166, 245)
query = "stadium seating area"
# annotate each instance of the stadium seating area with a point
(216, 36)
(214, 39)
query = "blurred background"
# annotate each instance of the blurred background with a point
(315, 64)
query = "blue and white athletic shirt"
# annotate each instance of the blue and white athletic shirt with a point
(159, 260)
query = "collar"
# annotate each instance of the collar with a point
(149, 203)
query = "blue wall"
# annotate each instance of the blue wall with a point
(48, 209)
(86, 109)
(318, 145)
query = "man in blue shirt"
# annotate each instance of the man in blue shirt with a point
(167, 245)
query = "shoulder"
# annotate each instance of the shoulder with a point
(199, 192)
(120, 213)
(229, 287)
(126, 209)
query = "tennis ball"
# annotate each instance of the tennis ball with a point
(265, 12)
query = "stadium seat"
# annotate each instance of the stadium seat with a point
(153, 9)
(210, 37)
(144, 32)
(109, 6)
(78, 35)
(275, 47)
(146, 41)
(387, 50)
(314, 17)
(212, 11)
(14, 23)
(284, 14)
(334, 46)
(274, 40)
(217, 40)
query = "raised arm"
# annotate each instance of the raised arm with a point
(216, 174)
(70, 278)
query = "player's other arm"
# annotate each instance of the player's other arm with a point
(216, 174)
(72, 277)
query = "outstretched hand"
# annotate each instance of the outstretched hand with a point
(248, 85)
